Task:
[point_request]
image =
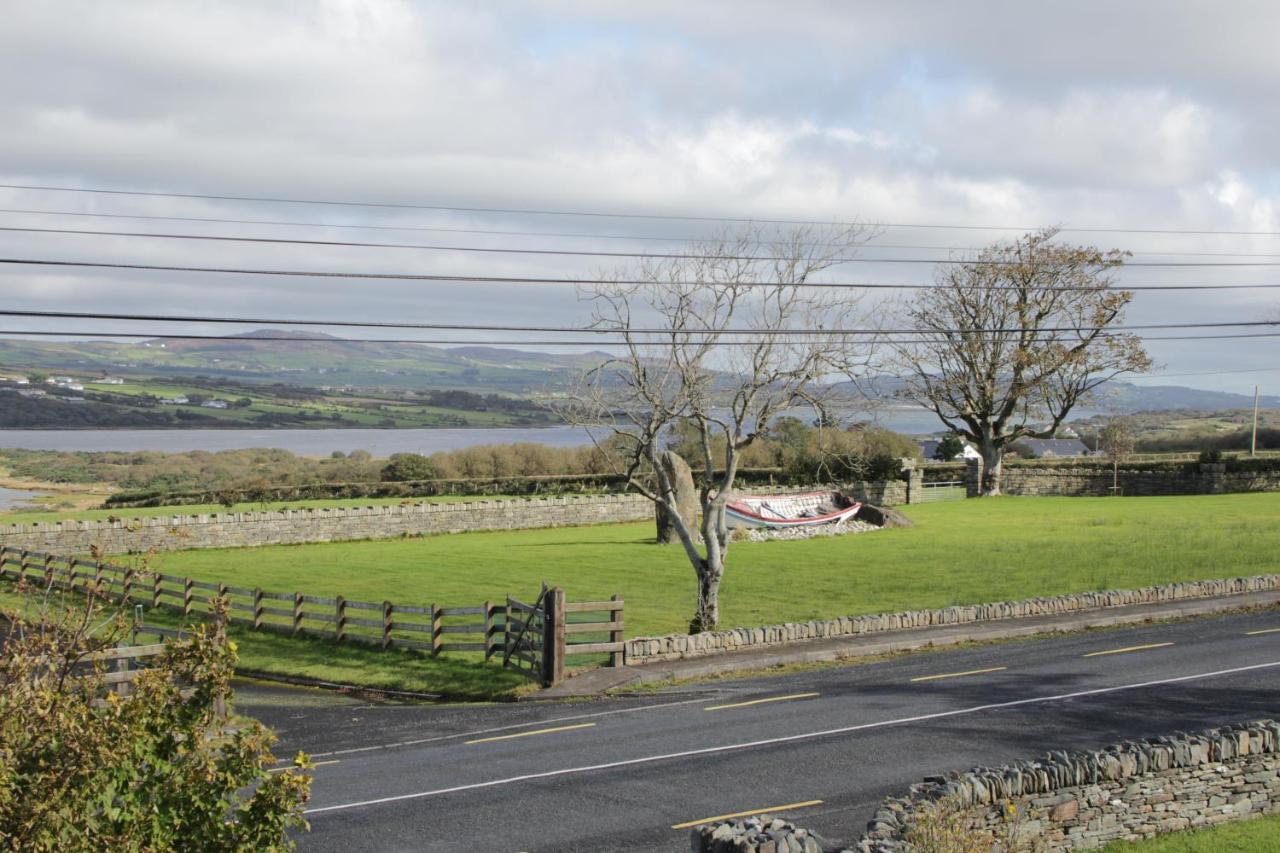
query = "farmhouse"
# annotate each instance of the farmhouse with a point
(1050, 448)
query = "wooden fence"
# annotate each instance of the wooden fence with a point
(516, 631)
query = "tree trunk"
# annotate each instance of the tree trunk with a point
(708, 614)
(992, 464)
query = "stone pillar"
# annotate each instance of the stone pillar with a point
(915, 481)
(973, 477)
(686, 498)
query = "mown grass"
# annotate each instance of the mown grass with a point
(1251, 836)
(962, 552)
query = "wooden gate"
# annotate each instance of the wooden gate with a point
(524, 630)
(540, 637)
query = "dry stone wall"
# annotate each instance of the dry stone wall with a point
(675, 646)
(1096, 478)
(1084, 800)
(238, 529)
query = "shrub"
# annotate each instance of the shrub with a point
(85, 769)
(407, 466)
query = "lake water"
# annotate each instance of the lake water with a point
(322, 442)
(13, 498)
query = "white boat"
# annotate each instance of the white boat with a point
(800, 510)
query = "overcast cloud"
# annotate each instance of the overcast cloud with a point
(1086, 114)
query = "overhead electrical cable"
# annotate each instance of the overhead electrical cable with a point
(611, 214)
(38, 262)
(297, 241)
(604, 330)
(194, 336)
(547, 234)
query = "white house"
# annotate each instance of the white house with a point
(214, 404)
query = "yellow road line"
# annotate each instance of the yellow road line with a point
(1263, 631)
(1127, 649)
(788, 807)
(531, 734)
(761, 701)
(290, 767)
(959, 674)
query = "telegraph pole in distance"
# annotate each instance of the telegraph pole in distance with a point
(1253, 442)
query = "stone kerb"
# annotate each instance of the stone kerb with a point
(641, 650)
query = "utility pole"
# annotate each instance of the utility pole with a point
(1253, 442)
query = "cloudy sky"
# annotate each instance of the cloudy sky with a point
(1089, 115)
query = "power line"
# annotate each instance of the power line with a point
(472, 327)
(544, 234)
(295, 241)
(1206, 373)
(552, 280)
(194, 336)
(611, 215)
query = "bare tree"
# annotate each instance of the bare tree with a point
(1116, 440)
(1013, 339)
(728, 361)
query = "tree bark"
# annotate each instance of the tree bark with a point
(992, 466)
(708, 614)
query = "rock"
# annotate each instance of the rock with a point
(686, 499)
(882, 516)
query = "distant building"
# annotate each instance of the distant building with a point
(929, 450)
(32, 392)
(1050, 448)
(174, 401)
(214, 404)
(22, 380)
(110, 380)
(74, 386)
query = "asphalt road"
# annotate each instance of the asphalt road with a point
(620, 774)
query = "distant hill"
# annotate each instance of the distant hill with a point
(308, 358)
(318, 360)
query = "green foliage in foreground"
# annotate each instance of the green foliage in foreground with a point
(152, 771)
(962, 552)
(1260, 835)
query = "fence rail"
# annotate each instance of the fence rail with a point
(518, 632)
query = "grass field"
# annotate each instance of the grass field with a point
(1252, 836)
(962, 552)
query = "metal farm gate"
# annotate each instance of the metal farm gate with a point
(943, 490)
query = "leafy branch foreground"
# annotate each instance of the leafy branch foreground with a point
(82, 768)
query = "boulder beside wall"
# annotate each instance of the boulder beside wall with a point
(681, 478)
(882, 516)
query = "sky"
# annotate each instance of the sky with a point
(987, 117)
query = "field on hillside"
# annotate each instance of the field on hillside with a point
(963, 552)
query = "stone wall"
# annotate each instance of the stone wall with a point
(1084, 800)
(675, 646)
(238, 529)
(1063, 801)
(1075, 478)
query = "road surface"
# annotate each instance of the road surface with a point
(829, 744)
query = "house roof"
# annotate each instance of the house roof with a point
(1054, 446)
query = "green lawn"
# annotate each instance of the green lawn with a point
(22, 516)
(962, 552)
(1250, 836)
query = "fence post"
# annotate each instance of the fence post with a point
(97, 579)
(50, 577)
(506, 633)
(488, 630)
(387, 624)
(71, 572)
(128, 586)
(616, 636)
(340, 620)
(22, 565)
(222, 593)
(257, 608)
(437, 635)
(553, 637)
(297, 613)
(187, 589)
(122, 665)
